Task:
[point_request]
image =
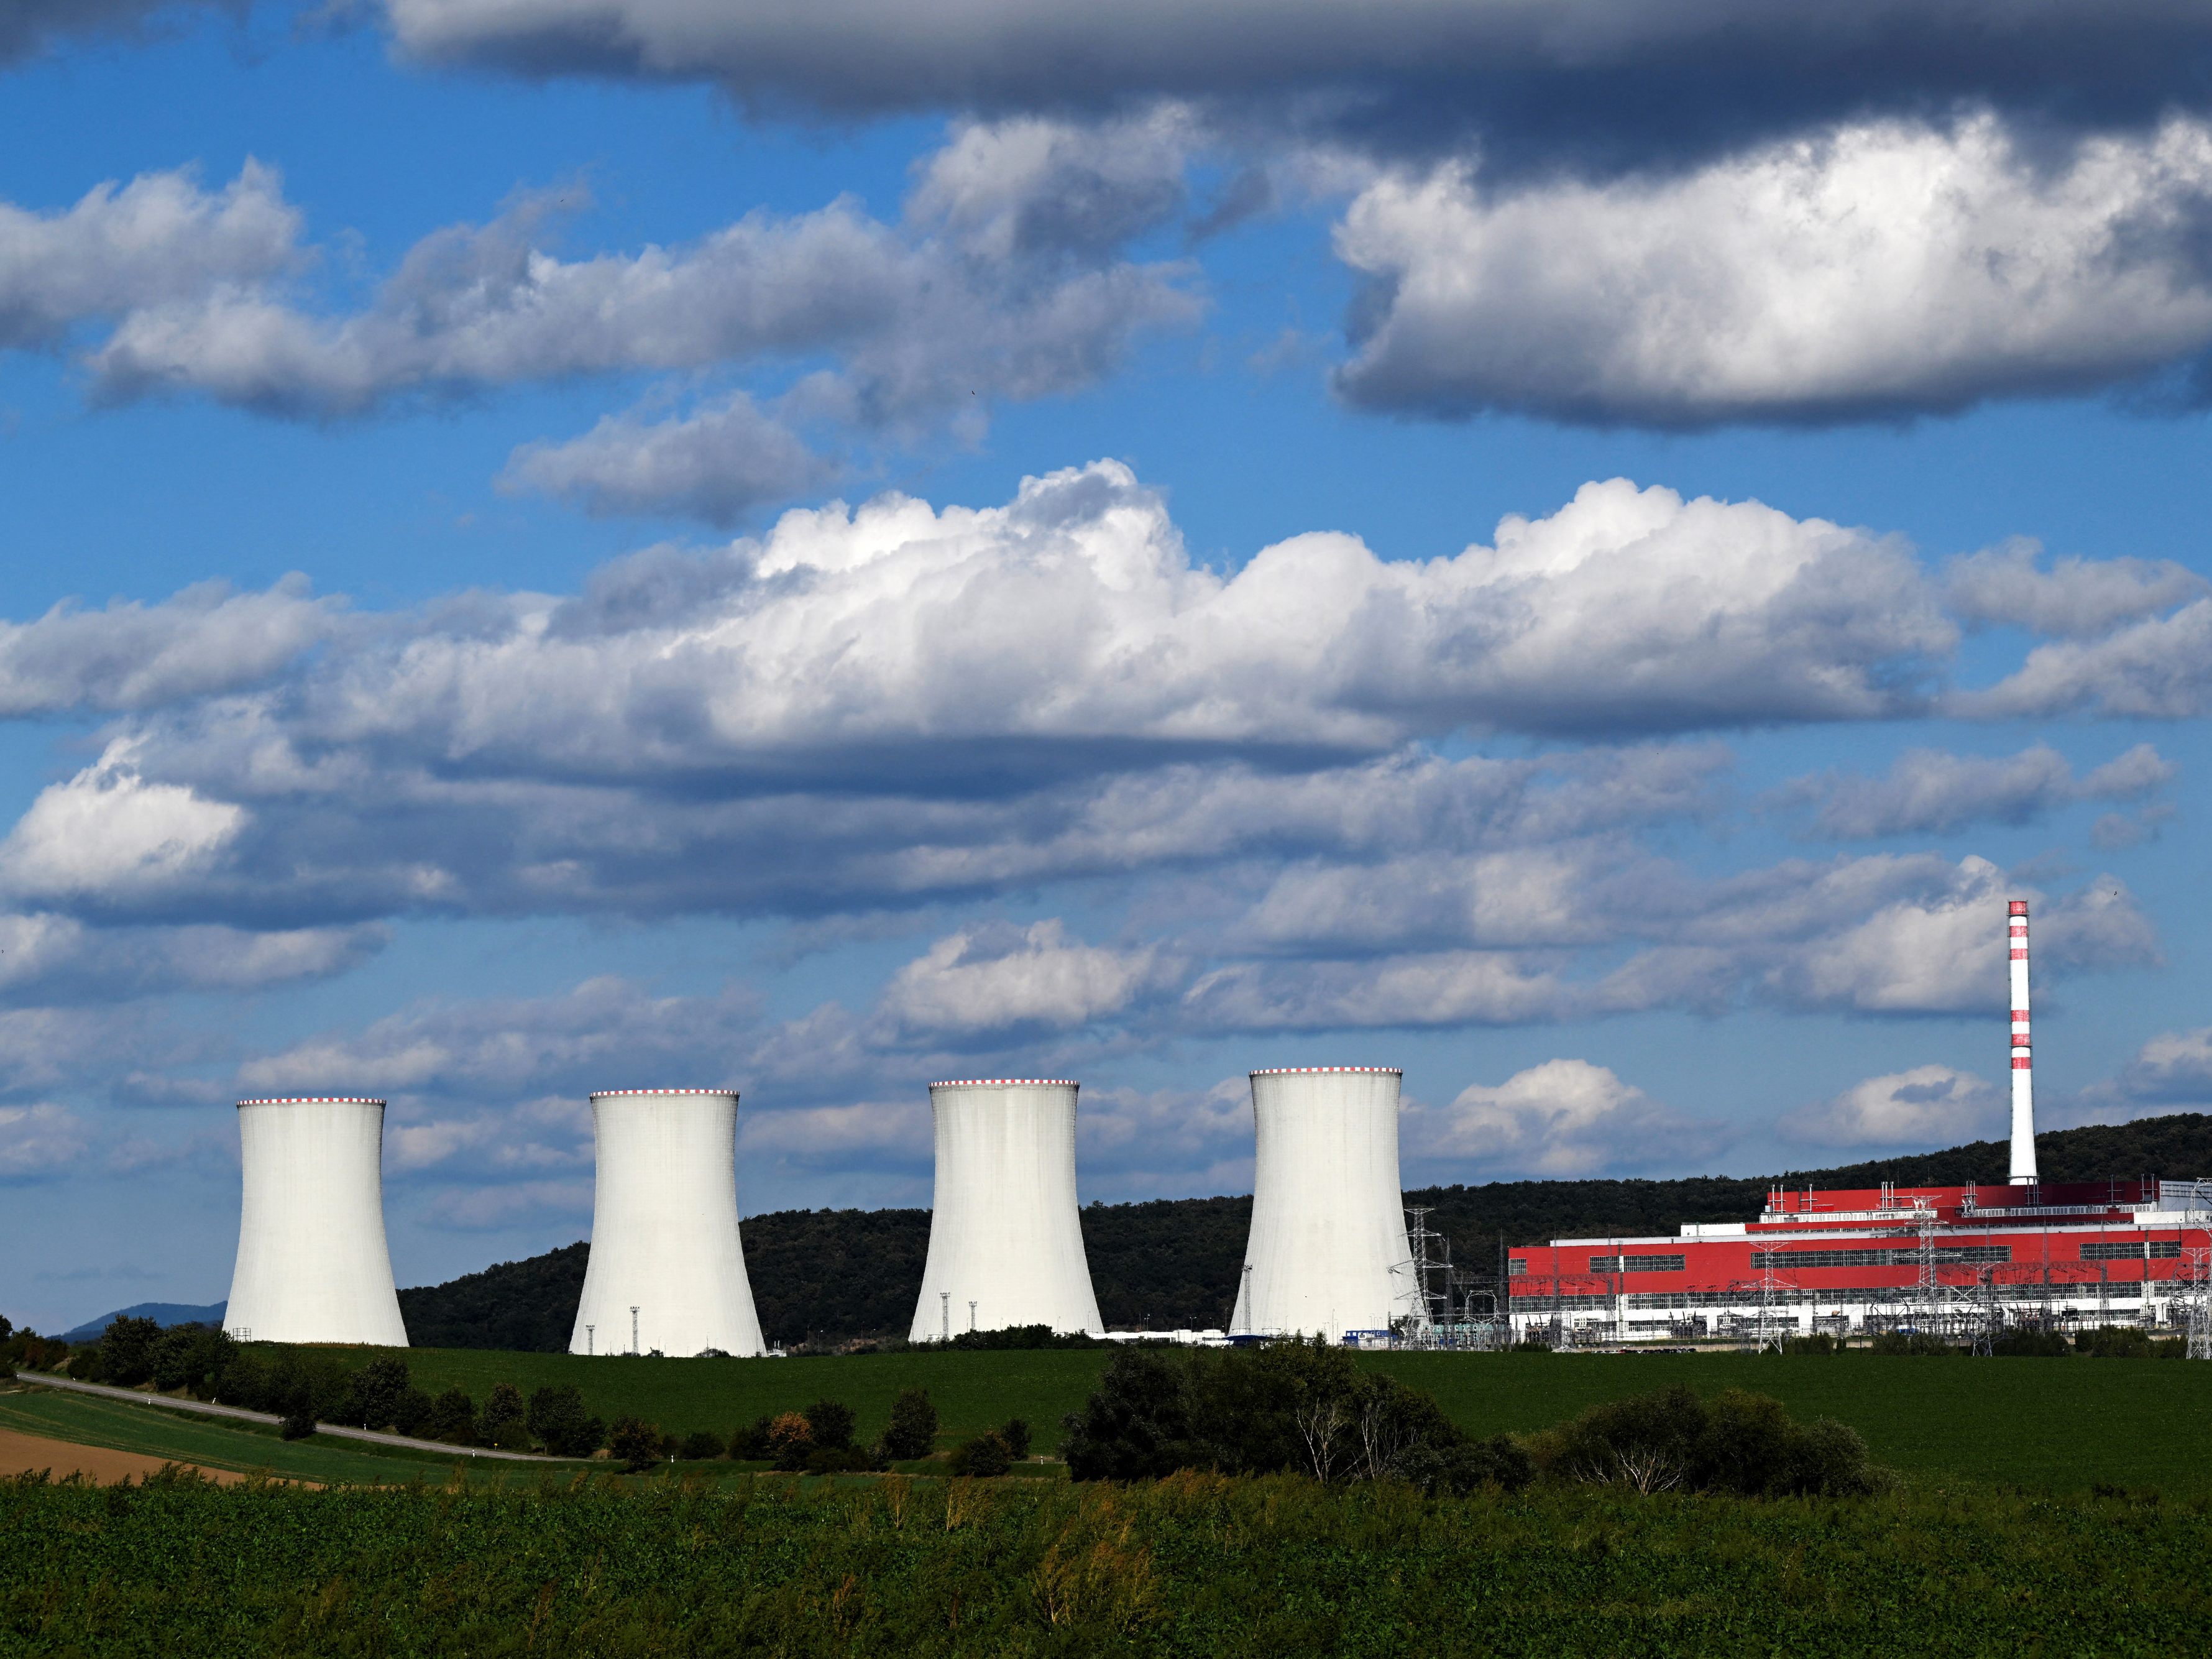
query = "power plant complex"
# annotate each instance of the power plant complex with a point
(1330, 1251)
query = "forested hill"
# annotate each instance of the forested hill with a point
(830, 1274)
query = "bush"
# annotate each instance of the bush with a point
(1820, 1342)
(750, 1445)
(636, 1442)
(504, 1423)
(913, 1431)
(1137, 1423)
(125, 1356)
(700, 1444)
(192, 1357)
(789, 1442)
(842, 1460)
(1024, 1336)
(2115, 1342)
(1737, 1442)
(829, 1424)
(374, 1393)
(453, 1418)
(410, 1412)
(299, 1414)
(1015, 1431)
(1914, 1344)
(559, 1422)
(986, 1455)
(2031, 1344)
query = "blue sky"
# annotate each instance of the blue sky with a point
(573, 544)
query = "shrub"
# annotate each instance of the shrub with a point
(1137, 1422)
(297, 1413)
(410, 1412)
(2031, 1344)
(1820, 1342)
(749, 1444)
(840, 1460)
(789, 1442)
(986, 1455)
(503, 1424)
(829, 1424)
(636, 1442)
(913, 1431)
(2115, 1342)
(560, 1423)
(374, 1393)
(1737, 1442)
(700, 1444)
(191, 1357)
(1915, 1344)
(125, 1356)
(1015, 1431)
(453, 1418)
(1024, 1336)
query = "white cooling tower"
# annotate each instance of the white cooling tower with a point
(313, 1266)
(666, 1272)
(1328, 1251)
(1006, 1246)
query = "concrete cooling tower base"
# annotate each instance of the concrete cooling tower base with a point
(1006, 1246)
(666, 1272)
(312, 1264)
(1328, 1252)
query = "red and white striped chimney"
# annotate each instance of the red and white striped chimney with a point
(2023, 1056)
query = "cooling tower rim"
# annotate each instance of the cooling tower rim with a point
(314, 1100)
(1007, 1083)
(618, 1094)
(1303, 1071)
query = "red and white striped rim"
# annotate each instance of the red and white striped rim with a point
(314, 1100)
(1008, 1083)
(618, 1094)
(1300, 1071)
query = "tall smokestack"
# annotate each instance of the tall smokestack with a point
(2023, 1056)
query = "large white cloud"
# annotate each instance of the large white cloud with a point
(1924, 1106)
(108, 833)
(1001, 979)
(1874, 271)
(1565, 1117)
(160, 238)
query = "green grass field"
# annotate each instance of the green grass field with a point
(2061, 1425)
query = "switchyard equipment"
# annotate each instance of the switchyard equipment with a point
(1328, 1251)
(1005, 1239)
(1964, 1263)
(666, 1266)
(312, 1264)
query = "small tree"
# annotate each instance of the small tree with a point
(913, 1431)
(636, 1442)
(749, 1444)
(1015, 1431)
(125, 1357)
(789, 1442)
(699, 1445)
(453, 1418)
(503, 1424)
(986, 1455)
(558, 1422)
(374, 1394)
(830, 1424)
(299, 1412)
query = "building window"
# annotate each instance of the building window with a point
(1517, 1266)
(2131, 1251)
(2166, 1252)
(1635, 1264)
(1948, 1256)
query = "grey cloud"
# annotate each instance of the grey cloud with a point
(1928, 791)
(30, 27)
(159, 239)
(2074, 598)
(41, 1140)
(2159, 669)
(1924, 1106)
(717, 464)
(206, 639)
(1598, 82)
(1869, 271)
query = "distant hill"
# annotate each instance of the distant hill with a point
(833, 1274)
(166, 1314)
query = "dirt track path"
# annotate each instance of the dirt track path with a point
(21, 1453)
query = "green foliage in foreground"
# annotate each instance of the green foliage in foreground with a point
(1196, 1565)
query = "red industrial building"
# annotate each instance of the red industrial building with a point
(1944, 1260)
(1936, 1258)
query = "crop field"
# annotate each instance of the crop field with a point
(1194, 1565)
